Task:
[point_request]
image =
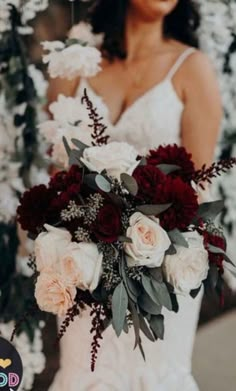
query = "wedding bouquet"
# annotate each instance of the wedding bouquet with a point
(123, 234)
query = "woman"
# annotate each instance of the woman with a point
(154, 88)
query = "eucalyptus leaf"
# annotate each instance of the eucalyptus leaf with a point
(210, 210)
(174, 301)
(102, 183)
(66, 145)
(178, 238)
(135, 319)
(143, 161)
(153, 210)
(213, 276)
(129, 183)
(119, 308)
(145, 328)
(148, 305)
(124, 239)
(74, 157)
(171, 250)
(79, 144)
(97, 181)
(157, 326)
(168, 168)
(148, 286)
(194, 293)
(162, 294)
(130, 285)
(156, 273)
(126, 327)
(217, 250)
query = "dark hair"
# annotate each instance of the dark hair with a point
(108, 17)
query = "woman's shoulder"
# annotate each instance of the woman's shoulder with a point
(196, 66)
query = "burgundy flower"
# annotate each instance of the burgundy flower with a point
(35, 208)
(216, 241)
(58, 181)
(62, 180)
(184, 203)
(173, 154)
(148, 178)
(107, 226)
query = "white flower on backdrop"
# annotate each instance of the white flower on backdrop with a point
(28, 10)
(70, 119)
(85, 63)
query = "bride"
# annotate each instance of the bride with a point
(154, 88)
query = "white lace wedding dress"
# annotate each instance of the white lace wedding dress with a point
(155, 118)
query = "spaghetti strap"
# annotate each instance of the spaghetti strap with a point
(179, 62)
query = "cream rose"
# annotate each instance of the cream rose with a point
(81, 265)
(115, 157)
(53, 294)
(49, 246)
(186, 269)
(149, 241)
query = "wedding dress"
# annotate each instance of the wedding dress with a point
(153, 119)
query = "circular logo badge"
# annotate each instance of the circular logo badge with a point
(11, 369)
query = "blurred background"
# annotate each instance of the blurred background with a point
(214, 362)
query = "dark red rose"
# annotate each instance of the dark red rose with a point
(148, 178)
(216, 241)
(173, 154)
(107, 226)
(184, 203)
(35, 208)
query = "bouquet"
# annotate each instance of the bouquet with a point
(123, 235)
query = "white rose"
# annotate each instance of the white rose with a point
(49, 246)
(81, 265)
(115, 157)
(149, 241)
(186, 269)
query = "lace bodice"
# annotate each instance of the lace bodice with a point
(153, 119)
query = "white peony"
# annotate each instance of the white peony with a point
(83, 32)
(72, 61)
(81, 265)
(49, 246)
(116, 158)
(186, 269)
(149, 241)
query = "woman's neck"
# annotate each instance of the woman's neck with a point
(142, 36)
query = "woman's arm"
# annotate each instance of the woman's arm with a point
(203, 111)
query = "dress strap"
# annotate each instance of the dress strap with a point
(179, 62)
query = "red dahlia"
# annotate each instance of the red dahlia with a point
(35, 208)
(62, 180)
(173, 154)
(184, 203)
(148, 178)
(107, 226)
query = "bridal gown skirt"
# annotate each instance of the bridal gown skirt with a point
(120, 368)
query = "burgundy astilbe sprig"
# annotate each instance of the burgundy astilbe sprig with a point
(72, 313)
(99, 136)
(98, 315)
(206, 174)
